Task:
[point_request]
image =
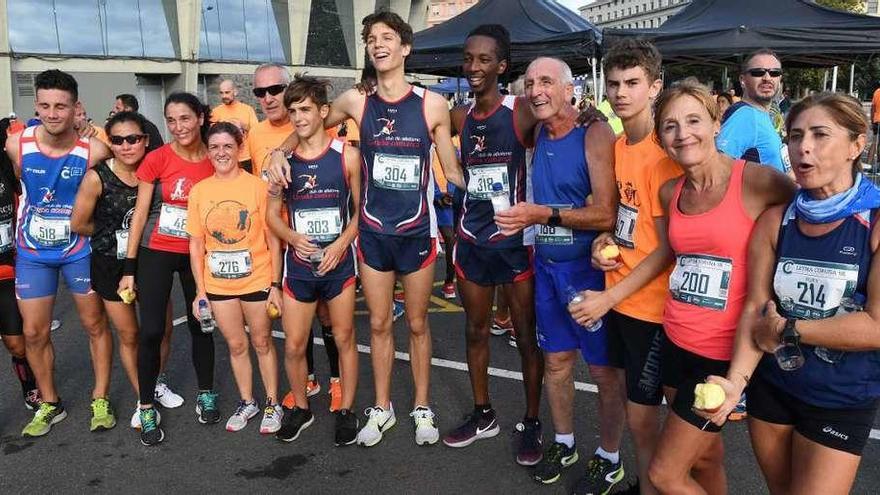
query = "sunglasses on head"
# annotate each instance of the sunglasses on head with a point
(272, 90)
(759, 72)
(130, 139)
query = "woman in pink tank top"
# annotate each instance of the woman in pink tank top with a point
(711, 210)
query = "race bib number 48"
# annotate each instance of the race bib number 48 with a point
(49, 231)
(321, 224)
(230, 264)
(812, 290)
(482, 178)
(172, 221)
(701, 280)
(398, 172)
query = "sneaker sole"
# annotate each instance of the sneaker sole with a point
(57, 419)
(161, 438)
(448, 296)
(250, 417)
(202, 421)
(301, 428)
(566, 462)
(103, 427)
(168, 405)
(498, 331)
(388, 426)
(429, 441)
(522, 462)
(479, 436)
(313, 392)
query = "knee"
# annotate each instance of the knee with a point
(418, 325)
(294, 350)
(660, 476)
(262, 345)
(96, 325)
(15, 346)
(558, 367)
(237, 347)
(343, 337)
(712, 457)
(35, 336)
(380, 324)
(476, 335)
(642, 426)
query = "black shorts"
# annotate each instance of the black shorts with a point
(636, 346)
(258, 296)
(394, 253)
(309, 291)
(683, 370)
(10, 318)
(488, 267)
(106, 273)
(840, 429)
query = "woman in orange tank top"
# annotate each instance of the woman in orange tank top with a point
(711, 210)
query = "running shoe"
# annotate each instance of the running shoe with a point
(449, 290)
(346, 428)
(55, 325)
(477, 426)
(378, 422)
(206, 407)
(631, 489)
(500, 327)
(398, 296)
(102, 415)
(739, 412)
(295, 421)
(312, 387)
(288, 402)
(426, 431)
(244, 412)
(601, 477)
(397, 310)
(335, 393)
(33, 399)
(165, 396)
(151, 434)
(530, 443)
(46, 416)
(557, 458)
(272, 417)
(136, 417)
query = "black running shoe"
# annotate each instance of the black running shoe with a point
(631, 489)
(477, 425)
(601, 477)
(347, 426)
(295, 421)
(33, 399)
(151, 433)
(206, 407)
(557, 457)
(530, 443)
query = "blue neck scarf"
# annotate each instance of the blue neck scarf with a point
(863, 195)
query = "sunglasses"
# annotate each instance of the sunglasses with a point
(273, 90)
(130, 139)
(759, 72)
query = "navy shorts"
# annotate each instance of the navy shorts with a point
(35, 279)
(636, 346)
(557, 331)
(309, 291)
(393, 253)
(683, 370)
(488, 267)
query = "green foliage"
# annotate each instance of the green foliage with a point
(857, 6)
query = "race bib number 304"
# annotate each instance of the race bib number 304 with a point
(701, 280)
(172, 221)
(482, 178)
(321, 224)
(49, 231)
(398, 172)
(812, 290)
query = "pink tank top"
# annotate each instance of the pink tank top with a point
(707, 288)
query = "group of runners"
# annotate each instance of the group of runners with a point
(721, 270)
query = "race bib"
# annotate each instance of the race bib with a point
(812, 290)
(483, 177)
(701, 280)
(49, 231)
(121, 244)
(624, 232)
(172, 221)
(397, 172)
(322, 224)
(545, 234)
(6, 236)
(230, 264)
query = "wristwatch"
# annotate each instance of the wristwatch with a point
(277, 285)
(555, 220)
(790, 334)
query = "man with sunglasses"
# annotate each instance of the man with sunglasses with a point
(270, 80)
(239, 113)
(746, 128)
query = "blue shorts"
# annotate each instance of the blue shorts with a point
(394, 253)
(557, 330)
(309, 291)
(488, 267)
(35, 279)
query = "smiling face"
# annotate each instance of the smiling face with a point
(547, 88)
(762, 88)
(629, 91)
(307, 118)
(223, 152)
(385, 49)
(183, 123)
(129, 154)
(481, 65)
(56, 109)
(822, 151)
(687, 131)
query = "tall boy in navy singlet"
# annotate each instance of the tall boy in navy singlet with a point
(495, 132)
(51, 161)
(575, 196)
(397, 125)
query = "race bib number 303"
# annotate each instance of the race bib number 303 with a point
(172, 221)
(482, 178)
(398, 172)
(321, 224)
(701, 280)
(230, 264)
(812, 290)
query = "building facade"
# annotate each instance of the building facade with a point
(637, 14)
(443, 10)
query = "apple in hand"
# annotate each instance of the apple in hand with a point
(610, 252)
(708, 397)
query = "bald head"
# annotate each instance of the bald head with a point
(228, 91)
(549, 87)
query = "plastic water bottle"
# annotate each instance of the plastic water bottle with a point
(789, 356)
(575, 297)
(206, 318)
(848, 304)
(315, 259)
(500, 198)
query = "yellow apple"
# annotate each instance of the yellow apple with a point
(708, 397)
(610, 252)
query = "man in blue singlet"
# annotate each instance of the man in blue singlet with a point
(51, 160)
(575, 197)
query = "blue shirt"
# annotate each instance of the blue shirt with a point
(747, 132)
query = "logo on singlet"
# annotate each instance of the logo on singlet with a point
(387, 127)
(48, 195)
(178, 193)
(479, 144)
(310, 183)
(228, 222)
(67, 172)
(126, 221)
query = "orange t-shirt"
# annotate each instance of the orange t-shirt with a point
(352, 132)
(15, 128)
(875, 103)
(263, 138)
(243, 114)
(101, 135)
(641, 169)
(231, 216)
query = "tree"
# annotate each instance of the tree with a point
(857, 6)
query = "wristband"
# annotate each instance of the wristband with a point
(129, 267)
(276, 285)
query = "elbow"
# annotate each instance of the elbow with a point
(607, 221)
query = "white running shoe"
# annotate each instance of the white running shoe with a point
(55, 325)
(426, 432)
(136, 417)
(244, 412)
(272, 416)
(378, 422)
(166, 397)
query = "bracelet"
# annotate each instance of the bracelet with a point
(129, 267)
(276, 285)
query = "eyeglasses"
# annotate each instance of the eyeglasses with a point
(759, 72)
(272, 90)
(130, 139)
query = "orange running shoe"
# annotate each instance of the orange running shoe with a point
(335, 394)
(288, 401)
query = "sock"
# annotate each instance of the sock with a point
(484, 409)
(612, 457)
(332, 350)
(566, 439)
(310, 356)
(527, 419)
(24, 373)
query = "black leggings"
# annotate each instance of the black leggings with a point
(329, 346)
(155, 277)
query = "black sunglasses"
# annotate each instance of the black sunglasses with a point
(272, 90)
(759, 72)
(130, 139)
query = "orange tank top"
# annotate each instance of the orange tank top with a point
(707, 288)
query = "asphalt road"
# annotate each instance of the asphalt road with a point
(203, 458)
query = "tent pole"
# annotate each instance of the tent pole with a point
(600, 93)
(852, 77)
(724, 78)
(834, 80)
(825, 80)
(595, 86)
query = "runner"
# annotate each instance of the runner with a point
(811, 267)
(161, 247)
(51, 161)
(103, 210)
(495, 132)
(239, 113)
(398, 124)
(711, 213)
(320, 261)
(234, 261)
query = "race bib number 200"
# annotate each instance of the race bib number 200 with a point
(701, 280)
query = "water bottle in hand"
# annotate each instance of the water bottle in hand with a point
(575, 297)
(206, 318)
(500, 198)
